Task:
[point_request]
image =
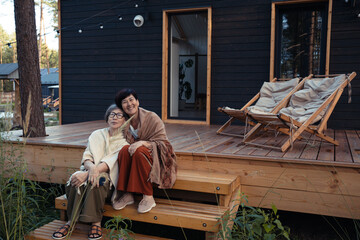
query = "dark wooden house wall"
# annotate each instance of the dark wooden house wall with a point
(46, 91)
(345, 57)
(97, 63)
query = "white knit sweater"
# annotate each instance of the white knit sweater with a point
(102, 147)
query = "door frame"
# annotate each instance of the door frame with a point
(165, 66)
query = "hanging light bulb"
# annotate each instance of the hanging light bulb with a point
(80, 30)
(101, 26)
(58, 32)
(9, 45)
(136, 5)
(120, 17)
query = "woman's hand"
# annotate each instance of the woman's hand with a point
(94, 171)
(93, 174)
(78, 178)
(136, 145)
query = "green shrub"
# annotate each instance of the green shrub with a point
(253, 223)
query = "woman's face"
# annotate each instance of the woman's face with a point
(116, 118)
(130, 105)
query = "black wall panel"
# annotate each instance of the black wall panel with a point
(345, 58)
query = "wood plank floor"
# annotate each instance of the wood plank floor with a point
(200, 140)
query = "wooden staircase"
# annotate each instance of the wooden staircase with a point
(80, 232)
(197, 201)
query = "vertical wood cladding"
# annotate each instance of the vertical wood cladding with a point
(99, 62)
(345, 57)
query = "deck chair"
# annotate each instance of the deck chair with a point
(271, 94)
(307, 110)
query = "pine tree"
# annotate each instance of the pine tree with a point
(29, 70)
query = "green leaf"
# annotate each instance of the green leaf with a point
(279, 225)
(286, 235)
(268, 227)
(274, 209)
(269, 236)
(257, 229)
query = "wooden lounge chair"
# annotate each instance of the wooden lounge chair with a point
(312, 104)
(275, 90)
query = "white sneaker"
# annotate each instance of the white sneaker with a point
(146, 204)
(125, 200)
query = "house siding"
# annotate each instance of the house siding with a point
(344, 58)
(97, 63)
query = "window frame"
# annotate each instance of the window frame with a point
(274, 26)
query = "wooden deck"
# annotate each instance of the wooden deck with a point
(312, 177)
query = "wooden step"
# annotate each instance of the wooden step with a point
(206, 182)
(198, 216)
(80, 232)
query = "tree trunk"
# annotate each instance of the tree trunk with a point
(29, 70)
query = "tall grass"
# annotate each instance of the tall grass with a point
(24, 204)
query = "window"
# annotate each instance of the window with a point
(301, 37)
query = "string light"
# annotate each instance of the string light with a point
(80, 30)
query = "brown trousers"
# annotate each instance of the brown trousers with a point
(134, 171)
(88, 208)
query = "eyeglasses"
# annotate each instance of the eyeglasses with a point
(118, 115)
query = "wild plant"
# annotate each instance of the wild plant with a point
(119, 228)
(24, 204)
(20, 199)
(252, 223)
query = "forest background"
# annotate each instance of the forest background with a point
(46, 24)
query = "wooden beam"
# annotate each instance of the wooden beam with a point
(60, 70)
(308, 202)
(165, 64)
(299, 177)
(208, 72)
(179, 28)
(272, 40)
(328, 38)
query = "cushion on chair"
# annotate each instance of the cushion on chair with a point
(271, 93)
(305, 102)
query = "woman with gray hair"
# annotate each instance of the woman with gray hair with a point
(99, 168)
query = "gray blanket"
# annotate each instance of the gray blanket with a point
(271, 93)
(305, 102)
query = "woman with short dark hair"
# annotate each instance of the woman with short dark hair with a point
(99, 160)
(148, 159)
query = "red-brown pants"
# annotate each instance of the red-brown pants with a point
(134, 171)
